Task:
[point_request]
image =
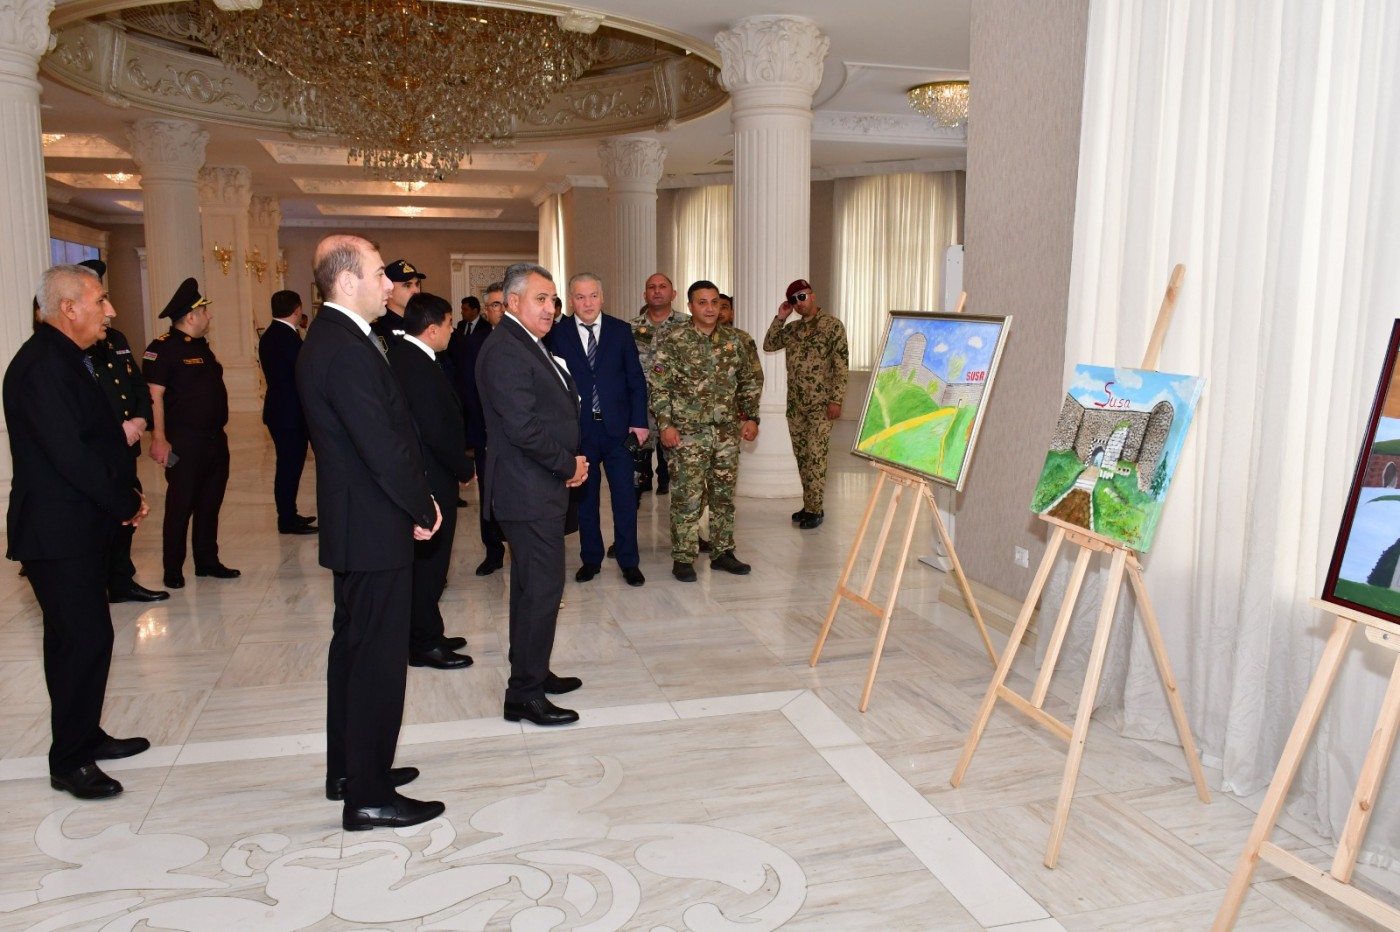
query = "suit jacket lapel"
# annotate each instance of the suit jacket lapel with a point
(546, 358)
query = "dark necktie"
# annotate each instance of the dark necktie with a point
(593, 365)
(92, 370)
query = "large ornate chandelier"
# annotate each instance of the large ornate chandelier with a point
(411, 84)
(943, 102)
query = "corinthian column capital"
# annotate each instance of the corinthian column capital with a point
(24, 35)
(228, 185)
(265, 211)
(167, 147)
(634, 159)
(768, 51)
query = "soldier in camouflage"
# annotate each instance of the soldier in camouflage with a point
(648, 329)
(816, 384)
(705, 380)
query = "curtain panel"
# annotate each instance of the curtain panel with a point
(703, 222)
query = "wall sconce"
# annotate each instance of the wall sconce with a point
(283, 267)
(224, 255)
(256, 264)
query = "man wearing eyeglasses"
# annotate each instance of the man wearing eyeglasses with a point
(816, 385)
(492, 310)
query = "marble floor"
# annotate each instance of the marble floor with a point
(715, 781)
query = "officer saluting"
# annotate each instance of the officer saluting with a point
(120, 379)
(190, 407)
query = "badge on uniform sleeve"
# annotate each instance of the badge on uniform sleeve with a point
(149, 354)
(658, 368)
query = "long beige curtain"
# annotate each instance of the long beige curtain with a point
(703, 220)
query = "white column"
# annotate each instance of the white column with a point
(225, 192)
(632, 167)
(264, 218)
(24, 249)
(771, 67)
(169, 154)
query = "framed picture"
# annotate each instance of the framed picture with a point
(1365, 571)
(929, 391)
(1115, 448)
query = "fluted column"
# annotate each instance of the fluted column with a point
(169, 154)
(264, 218)
(771, 67)
(225, 193)
(24, 249)
(632, 167)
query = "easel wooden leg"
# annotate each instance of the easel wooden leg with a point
(1368, 784)
(1308, 714)
(889, 604)
(1086, 706)
(960, 575)
(1008, 656)
(1057, 637)
(1164, 670)
(846, 573)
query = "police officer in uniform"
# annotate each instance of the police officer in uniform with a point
(120, 380)
(408, 281)
(190, 407)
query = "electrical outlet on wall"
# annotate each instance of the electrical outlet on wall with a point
(1023, 557)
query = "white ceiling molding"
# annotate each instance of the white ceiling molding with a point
(406, 223)
(81, 146)
(950, 163)
(306, 153)
(95, 180)
(361, 210)
(362, 187)
(883, 129)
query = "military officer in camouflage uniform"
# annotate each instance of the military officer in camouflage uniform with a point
(816, 384)
(648, 329)
(705, 382)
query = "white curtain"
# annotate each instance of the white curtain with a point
(703, 221)
(553, 249)
(891, 232)
(1258, 143)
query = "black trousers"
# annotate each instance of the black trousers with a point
(536, 586)
(77, 652)
(365, 675)
(491, 535)
(431, 559)
(121, 572)
(194, 490)
(286, 478)
(606, 453)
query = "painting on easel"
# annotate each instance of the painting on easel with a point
(929, 392)
(1365, 571)
(1116, 445)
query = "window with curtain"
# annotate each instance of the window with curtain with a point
(891, 232)
(704, 236)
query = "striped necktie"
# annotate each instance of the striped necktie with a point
(593, 365)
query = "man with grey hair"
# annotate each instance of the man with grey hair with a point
(532, 410)
(74, 487)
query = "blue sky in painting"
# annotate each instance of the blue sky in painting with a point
(975, 340)
(1107, 387)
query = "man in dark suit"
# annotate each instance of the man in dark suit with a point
(277, 354)
(471, 316)
(74, 486)
(374, 502)
(437, 413)
(602, 356)
(532, 419)
(469, 349)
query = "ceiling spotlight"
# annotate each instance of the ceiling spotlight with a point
(410, 211)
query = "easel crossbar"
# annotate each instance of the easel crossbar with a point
(1330, 886)
(1023, 705)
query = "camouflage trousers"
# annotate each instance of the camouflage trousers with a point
(704, 469)
(811, 440)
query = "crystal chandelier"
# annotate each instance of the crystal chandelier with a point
(411, 84)
(943, 102)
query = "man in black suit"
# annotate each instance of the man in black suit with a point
(471, 316)
(74, 486)
(374, 502)
(437, 413)
(469, 350)
(602, 356)
(277, 354)
(532, 419)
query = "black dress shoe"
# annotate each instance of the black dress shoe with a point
(218, 571)
(685, 572)
(730, 564)
(135, 592)
(612, 551)
(558, 685)
(797, 516)
(633, 575)
(813, 519)
(174, 581)
(540, 711)
(399, 813)
(454, 643)
(335, 786)
(302, 529)
(87, 782)
(488, 566)
(663, 488)
(117, 748)
(439, 658)
(587, 572)
(305, 520)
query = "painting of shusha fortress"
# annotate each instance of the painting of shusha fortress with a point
(929, 392)
(1116, 445)
(1365, 570)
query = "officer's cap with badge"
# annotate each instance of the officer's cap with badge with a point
(187, 298)
(401, 271)
(97, 265)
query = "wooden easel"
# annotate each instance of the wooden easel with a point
(1123, 561)
(902, 479)
(1336, 882)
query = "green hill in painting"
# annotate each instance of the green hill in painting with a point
(896, 399)
(1386, 448)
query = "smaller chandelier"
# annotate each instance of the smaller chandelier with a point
(119, 177)
(409, 187)
(943, 102)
